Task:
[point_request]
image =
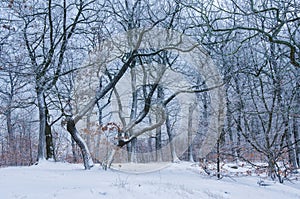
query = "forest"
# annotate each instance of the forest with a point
(112, 81)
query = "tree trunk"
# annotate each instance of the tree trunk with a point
(297, 140)
(239, 129)
(42, 127)
(133, 155)
(88, 128)
(48, 135)
(190, 133)
(296, 129)
(49, 143)
(2, 152)
(9, 129)
(158, 152)
(73, 144)
(291, 148)
(218, 159)
(87, 159)
(171, 142)
(229, 122)
(158, 144)
(131, 147)
(30, 148)
(11, 137)
(239, 133)
(150, 158)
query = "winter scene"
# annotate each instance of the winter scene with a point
(150, 99)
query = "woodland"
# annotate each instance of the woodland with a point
(109, 81)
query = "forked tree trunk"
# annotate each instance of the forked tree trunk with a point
(122, 142)
(87, 159)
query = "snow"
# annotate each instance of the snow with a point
(49, 180)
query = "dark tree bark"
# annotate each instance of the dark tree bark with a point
(218, 160)
(50, 154)
(49, 143)
(158, 143)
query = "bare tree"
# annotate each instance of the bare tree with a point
(47, 31)
(275, 21)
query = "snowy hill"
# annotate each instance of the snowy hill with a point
(50, 180)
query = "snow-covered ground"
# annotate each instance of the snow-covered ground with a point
(179, 180)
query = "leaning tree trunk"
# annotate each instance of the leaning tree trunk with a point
(87, 159)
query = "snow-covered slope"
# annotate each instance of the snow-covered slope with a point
(179, 180)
